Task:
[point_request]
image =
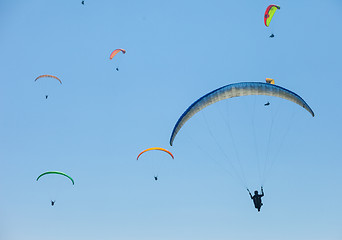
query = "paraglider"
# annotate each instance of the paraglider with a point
(156, 148)
(116, 51)
(270, 10)
(270, 81)
(272, 35)
(48, 76)
(58, 173)
(82, 2)
(240, 90)
(257, 198)
(236, 90)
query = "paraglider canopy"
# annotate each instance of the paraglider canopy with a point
(156, 148)
(270, 80)
(270, 10)
(116, 51)
(49, 76)
(237, 90)
(56, 172)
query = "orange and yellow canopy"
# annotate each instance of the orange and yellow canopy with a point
(156, 148)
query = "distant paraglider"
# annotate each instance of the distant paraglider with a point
(116, 51)
(48, 76)
(271, 9)
(58, 173)
(270, 81)
(155, 148)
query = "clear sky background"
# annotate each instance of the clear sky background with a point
(94, 125)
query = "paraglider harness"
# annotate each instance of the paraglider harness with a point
(257, 198)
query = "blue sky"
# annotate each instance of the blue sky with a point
(94, 124)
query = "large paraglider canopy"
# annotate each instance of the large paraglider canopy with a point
(56, 172)
(270, 10)
(116, 51)
(155, 148)
(48, 76)
(236, 90)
